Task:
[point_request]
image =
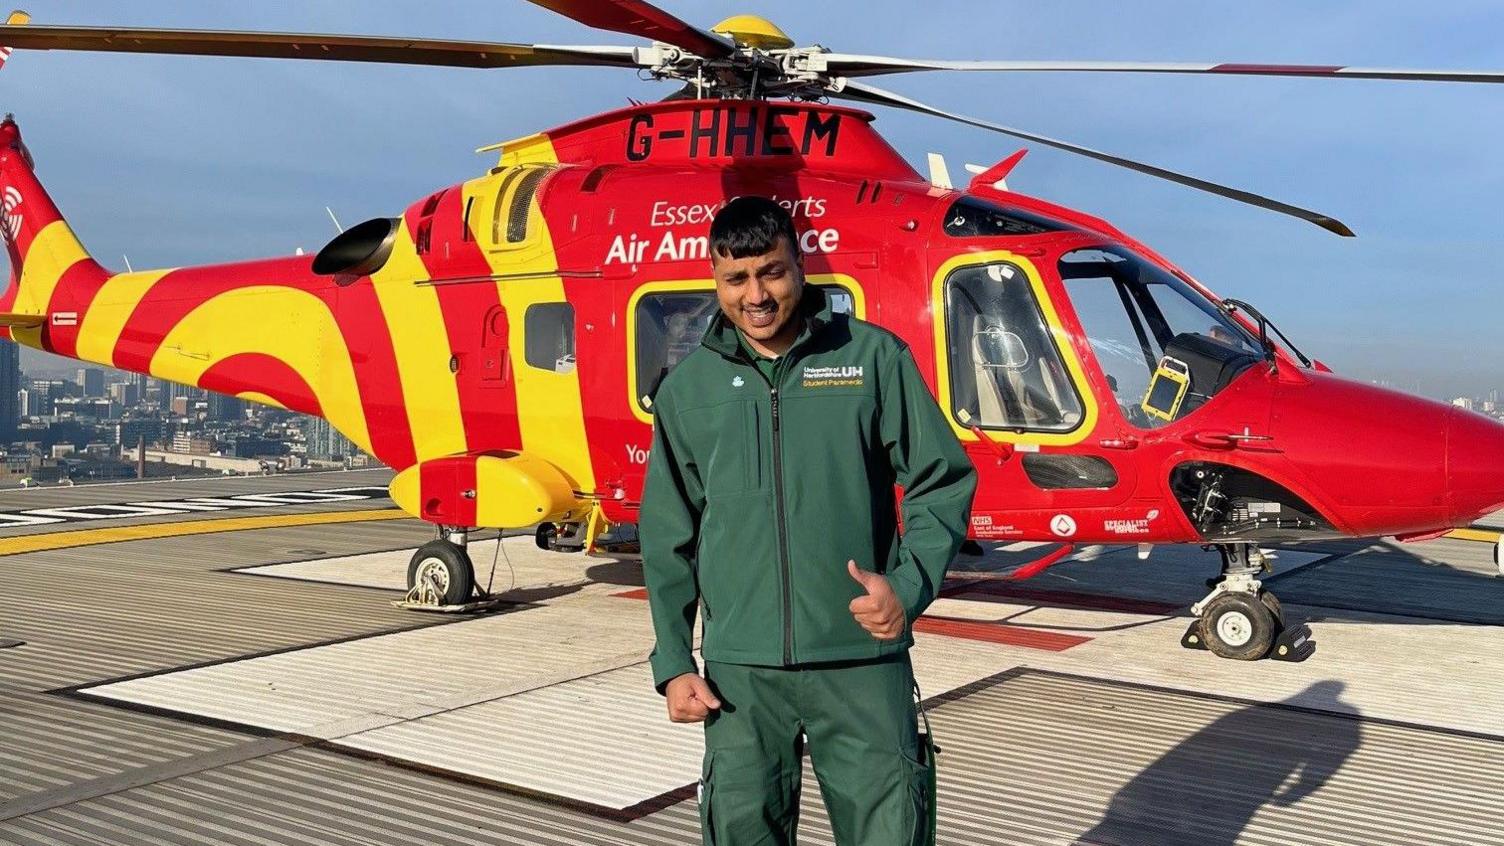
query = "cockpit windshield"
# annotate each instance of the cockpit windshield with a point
(1164, 347)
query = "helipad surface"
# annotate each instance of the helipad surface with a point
(252, 684)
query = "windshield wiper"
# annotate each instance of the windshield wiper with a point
(1265, 326)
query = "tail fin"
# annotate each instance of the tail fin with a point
(46, 258)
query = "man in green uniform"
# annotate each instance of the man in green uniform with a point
(769, 510)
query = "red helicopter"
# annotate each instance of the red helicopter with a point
(499, 343)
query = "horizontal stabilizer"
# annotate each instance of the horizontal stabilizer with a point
(23, 321)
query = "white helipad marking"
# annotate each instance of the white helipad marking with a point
(522, 565)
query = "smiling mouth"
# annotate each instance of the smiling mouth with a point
(760, 316)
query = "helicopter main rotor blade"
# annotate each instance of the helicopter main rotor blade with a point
(643, 19)
(854, 65)
(866, 93)
(286, 45)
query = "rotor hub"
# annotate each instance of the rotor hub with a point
(753, 31)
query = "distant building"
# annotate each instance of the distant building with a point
(170, 392)
(129, 433)
(1463, 402)
(189, 444)
(249, 447)
(98, 408)
(126, 394)
(324, 442)
(224, 407)
(10, 388)
(91, 379)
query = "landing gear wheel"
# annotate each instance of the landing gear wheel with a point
(1272, 603)
(440, 574)
(1238, 626)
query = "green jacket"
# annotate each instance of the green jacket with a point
(758, 492)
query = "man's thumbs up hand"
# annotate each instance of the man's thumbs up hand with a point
(878, 610)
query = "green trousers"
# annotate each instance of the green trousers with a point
(859, 719)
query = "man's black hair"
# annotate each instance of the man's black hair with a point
(751, 226)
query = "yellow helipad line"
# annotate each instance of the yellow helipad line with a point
(1484, 535)
(150, 531)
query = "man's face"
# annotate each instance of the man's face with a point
(760, 294)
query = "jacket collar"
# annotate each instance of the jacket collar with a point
(814, 306)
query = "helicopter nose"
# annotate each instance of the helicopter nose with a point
(1475, 466)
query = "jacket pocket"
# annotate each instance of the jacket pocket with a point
(730, 433)
(920, 799)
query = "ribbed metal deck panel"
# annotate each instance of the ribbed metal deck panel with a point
(47, 742)
(1033, 759)
(323, 799)
(126, 608)
(1049, 755)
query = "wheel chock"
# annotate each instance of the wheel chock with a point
(1293, 644)
(1192, 638)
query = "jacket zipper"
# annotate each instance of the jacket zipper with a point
(783, 535)
(780, 520)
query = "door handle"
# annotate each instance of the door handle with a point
(1245, 439)
(1118, 443)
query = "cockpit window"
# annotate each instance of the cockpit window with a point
(971, 217)
(1141, 320)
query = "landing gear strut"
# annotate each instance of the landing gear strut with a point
(440, 575)
(1241, 620)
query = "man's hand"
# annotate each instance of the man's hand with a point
(689, 698)
(878, 611)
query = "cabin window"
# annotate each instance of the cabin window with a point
(548, 337)
(669, 326)
(1135, 315)
(1005, 371)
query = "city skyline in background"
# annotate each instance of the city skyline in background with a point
(205, 160)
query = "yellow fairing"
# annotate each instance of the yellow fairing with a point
(511, 492)
(1061, 338)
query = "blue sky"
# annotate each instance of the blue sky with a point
(176, 161)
